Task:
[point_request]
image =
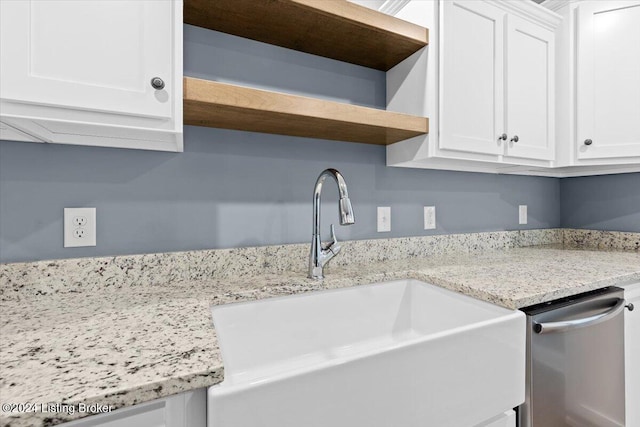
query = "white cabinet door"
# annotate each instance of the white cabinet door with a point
(529, 90)
(181, 410)
(90, 55)
(471, 74)
(632, 356)
(608, 79)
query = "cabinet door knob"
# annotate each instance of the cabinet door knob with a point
(515, 138)
(157, 83)
(588, 142)
(502, 137)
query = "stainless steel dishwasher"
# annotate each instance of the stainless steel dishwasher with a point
(575, 362)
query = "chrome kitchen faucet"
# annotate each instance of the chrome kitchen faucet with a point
(321, 253)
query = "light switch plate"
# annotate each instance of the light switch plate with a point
(522, 214)
(384, 219)
(79, 227)
(429, 217)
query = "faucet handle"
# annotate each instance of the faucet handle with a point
(333, 235)
(334, 246)
(334, 241)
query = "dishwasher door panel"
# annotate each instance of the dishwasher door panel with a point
(575, 377)
(579, 377)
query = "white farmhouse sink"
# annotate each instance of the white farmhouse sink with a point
(394, 354)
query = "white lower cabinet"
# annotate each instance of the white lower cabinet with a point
(632, 355)
(508, 419)
(187, 409)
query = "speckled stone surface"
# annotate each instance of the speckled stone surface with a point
(129, 271)
(118, 342)
(605, 240)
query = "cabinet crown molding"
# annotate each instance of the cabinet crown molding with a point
(556, 5)
(533, 12)
(527, 9)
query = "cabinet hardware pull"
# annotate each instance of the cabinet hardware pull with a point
(157, 83)
(515, 138)
(630, 307)
(588, 142)
(502, 137)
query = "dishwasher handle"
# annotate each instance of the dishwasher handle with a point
(567, 325)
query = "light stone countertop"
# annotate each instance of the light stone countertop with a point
(124, 345)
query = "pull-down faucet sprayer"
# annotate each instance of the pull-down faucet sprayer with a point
(321, 253)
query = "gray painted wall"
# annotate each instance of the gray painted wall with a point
(608, 202)
(231, 188)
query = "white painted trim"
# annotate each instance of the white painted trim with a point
(542, 15)
(556, 5)
(20, 133)
(531, 11)
(392, 7)
(580, 171)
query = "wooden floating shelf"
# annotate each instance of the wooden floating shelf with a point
(335, 29)
(220, 105)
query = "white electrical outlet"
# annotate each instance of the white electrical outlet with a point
(79, 227)
(522, 214)
(429, 217)
(79, 221)
(384, 219)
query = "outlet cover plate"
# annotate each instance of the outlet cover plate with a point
(522, 214)
(76, 219)
(384, 219)
(429, 217)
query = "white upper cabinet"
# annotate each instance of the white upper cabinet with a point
(515, 87)
(530, 81)
(487, 83)
(59, 54)
(597, 87)
(608, 79)
(497, 79)
(80, 72)
(472, 77)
